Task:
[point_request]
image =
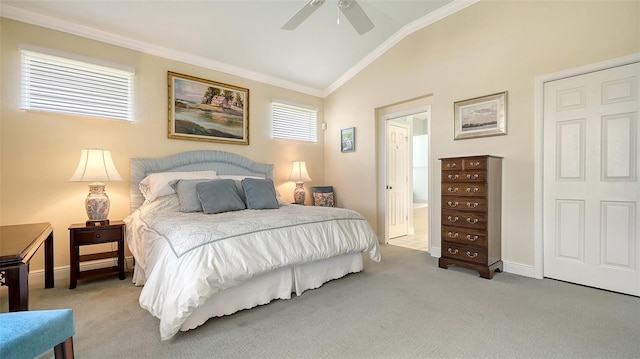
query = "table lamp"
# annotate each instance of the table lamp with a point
(299, 175)
(96, 166)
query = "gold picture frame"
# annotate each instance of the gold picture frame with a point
(481, 116)
(205, 110)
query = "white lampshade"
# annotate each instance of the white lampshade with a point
(299, 172)
(95, 165)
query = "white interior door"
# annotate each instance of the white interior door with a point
(591, 190)
(398, 199)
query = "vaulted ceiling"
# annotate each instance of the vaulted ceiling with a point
(243, 37)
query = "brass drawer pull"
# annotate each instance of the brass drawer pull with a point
(474, 164)
(472, 221)
(474, 176)
(453, 251)
(471, 255)
(451, 165)
(472, 205)
(472, 239)
(454, 177)
(475, 189)
(453, 189)
(452, 204)
(453, 235)
(454, 219)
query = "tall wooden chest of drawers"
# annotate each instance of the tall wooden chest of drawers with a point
(471, 213)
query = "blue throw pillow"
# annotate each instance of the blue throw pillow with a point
(219, 196)
(187, 195)
(259, 193)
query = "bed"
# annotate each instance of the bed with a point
(195, 265)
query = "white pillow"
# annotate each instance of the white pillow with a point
(157, 184)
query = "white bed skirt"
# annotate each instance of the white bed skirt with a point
(274, 285)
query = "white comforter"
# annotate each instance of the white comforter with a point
(184, 258)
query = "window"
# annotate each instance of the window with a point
(64, 84)
(293, 122)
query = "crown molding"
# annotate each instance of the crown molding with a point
(29, 17)
(17, 14)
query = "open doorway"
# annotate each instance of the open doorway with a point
(416, 205)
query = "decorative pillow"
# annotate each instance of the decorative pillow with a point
(259, 193)
(157, 184)
(187, 195)
(219, 196)
(323, 199)
(238, 179)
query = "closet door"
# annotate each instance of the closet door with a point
(591, 189)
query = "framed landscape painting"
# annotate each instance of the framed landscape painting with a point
(481, 116)
(205, 110)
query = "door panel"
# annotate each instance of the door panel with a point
(591, 189)
(398, 180)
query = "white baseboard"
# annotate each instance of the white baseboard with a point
(525, 270)
(36, 277)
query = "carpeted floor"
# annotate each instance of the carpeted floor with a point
(403, 307)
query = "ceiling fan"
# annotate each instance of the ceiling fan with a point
(350, 8)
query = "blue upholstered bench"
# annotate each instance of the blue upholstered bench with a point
(27, 334)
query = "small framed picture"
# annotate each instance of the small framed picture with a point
(348, 139)
(481, 116)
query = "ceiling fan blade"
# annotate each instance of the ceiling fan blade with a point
(302, 14)
(356, 16)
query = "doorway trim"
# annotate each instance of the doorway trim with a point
(382, 168)
(538, 191)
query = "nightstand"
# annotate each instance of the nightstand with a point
(82, 235)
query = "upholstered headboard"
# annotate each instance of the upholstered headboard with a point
(224, 163)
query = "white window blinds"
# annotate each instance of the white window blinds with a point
(294, 122)
(64, 85)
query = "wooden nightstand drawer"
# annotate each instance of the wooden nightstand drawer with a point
(102, 235)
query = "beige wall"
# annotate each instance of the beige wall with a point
(40, 151)
(489, 47)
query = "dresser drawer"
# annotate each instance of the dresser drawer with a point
(97, 235)
(475, 204)
(464, 176)
(474, 163)
(464, 236)
(473, 220)
(452, 164)
(464, 253)
(464, 189)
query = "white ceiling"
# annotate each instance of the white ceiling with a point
(243, 37)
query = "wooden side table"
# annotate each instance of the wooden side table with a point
(83, 235)
(18, 244)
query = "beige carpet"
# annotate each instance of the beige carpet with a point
(403, 307)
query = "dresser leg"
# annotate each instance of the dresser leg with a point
(442, 263)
